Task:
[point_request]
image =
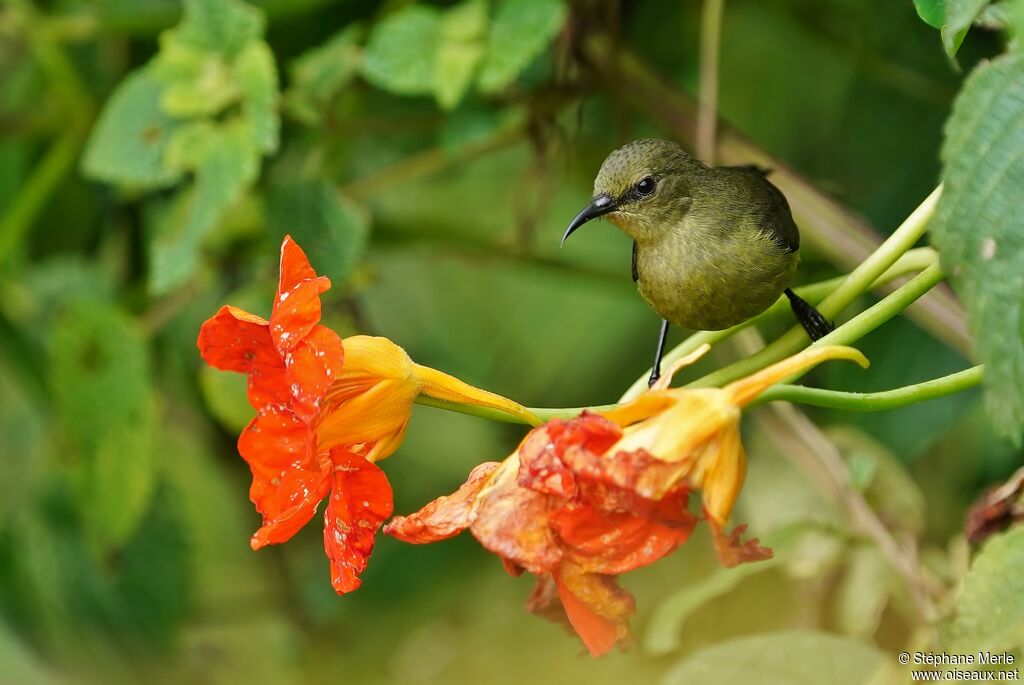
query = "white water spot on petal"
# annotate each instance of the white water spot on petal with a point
(284, 296)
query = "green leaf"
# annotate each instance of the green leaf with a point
(958, 15)
(932, 12)
(100, 378)
(863, 591)
(332, 229)
(117, 482)
(127, 144)
(979, 229)
(99, 370)
(989, 611)
(665, 629)
(221, 26)
(225, 395)
(228, 162)
(519, 33)
(463, 28)
(795, 657)
(320, 73)
(196, 83)
(257, 79)
(400, 54)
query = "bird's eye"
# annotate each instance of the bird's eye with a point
(646, 186)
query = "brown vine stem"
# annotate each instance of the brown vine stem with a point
(834, 231)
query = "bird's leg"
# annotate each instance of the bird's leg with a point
(816, 325)
(658, 354)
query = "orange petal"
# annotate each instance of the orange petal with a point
(295, 313)
(294, 267)
(542, 467)
(234, 340)
(311, 368)
(446, 516)
(360, 501)
(275, 440)
(513, 522)
(614, 542)
(596, 606)
(732, 551)
(636, 471)
(288, 504)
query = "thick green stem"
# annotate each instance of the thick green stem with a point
(875, 401)
(913, 261)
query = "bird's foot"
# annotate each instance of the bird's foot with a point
(653, 379)
(816, 325)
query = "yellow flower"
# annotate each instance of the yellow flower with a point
(698, 431)
(371, 399)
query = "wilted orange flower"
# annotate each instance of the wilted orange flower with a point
(325, 412)
(583, 500)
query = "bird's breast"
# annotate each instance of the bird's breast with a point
(712, 284)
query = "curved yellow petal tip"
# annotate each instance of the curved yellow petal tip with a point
(746, 389)
(843, 352)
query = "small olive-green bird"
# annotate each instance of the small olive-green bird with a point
(712, 246)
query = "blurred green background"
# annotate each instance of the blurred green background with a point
(427, 156)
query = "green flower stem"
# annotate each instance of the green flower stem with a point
(858, 282)
(875, 401)
(913, 261)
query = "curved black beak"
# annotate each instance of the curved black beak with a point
(599, 206)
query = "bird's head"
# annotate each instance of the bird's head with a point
(644, 188)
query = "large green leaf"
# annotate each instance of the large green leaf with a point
(979, 228)
(332, 229)
(128, 142)
(399, 56)
(520, 31)
(990, 606)
(785, 658)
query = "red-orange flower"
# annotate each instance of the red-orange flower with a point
(584, 500)
(291, 362)
(553, 509)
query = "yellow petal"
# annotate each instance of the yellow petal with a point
(725, 468)
(681, 430)
(666, 380)
(643, 407)
(745, 390)
(440, 385)
(368, 417)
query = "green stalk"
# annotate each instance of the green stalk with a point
(875, 401)
(913, 261)
(858, 282)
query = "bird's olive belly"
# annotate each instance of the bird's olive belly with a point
(718, 295)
